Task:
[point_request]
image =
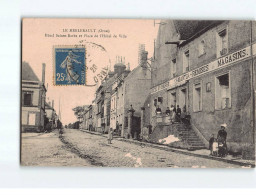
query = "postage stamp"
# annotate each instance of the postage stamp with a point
(69, 65)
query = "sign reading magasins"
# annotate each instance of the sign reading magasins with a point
(233, 57)
(217, 64)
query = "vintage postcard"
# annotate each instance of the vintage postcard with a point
(138, 93)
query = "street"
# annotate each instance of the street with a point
(46, 149)
(78, 148)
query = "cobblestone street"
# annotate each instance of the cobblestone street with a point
(123, 154)
(46, 149)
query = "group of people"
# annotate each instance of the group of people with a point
(218, 146)
(174, 112)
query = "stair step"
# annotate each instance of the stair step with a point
(182, 131)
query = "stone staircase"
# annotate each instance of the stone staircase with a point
(187, 138)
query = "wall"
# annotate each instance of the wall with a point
(164, 53)
(137, 87)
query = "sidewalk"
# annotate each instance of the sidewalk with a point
(203, 153)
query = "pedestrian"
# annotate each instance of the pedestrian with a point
(178, 113)
(110, 135)
(172, 114)
(222, 133)
(222, 140)
(211, 143)
(59, 126)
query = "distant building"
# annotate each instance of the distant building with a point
(32, 99)
(130, 88)
(136, 89)
(51, 113)
(117, 96)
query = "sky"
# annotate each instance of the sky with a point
(40, 36)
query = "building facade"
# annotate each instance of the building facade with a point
(206, 67)
(51, 114)
(32, 99)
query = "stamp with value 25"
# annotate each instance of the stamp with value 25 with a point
(69, 64)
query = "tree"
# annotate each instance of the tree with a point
(78, 111)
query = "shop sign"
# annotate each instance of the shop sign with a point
(215, 65)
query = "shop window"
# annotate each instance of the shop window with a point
(201, 48)
(197, 97)
(27, 98)
(173, 68)
(186, 61)
(222, 43)
(222, 92)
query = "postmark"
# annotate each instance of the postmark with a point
(98, 62)
(69, 64)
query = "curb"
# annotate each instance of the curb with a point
(170, 149)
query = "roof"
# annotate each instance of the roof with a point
(28, 73)
(47, 106)
(188, 28)
(119, 64)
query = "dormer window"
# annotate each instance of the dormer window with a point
(201, 48)
(222, 43)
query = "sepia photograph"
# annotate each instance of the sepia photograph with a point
(137, 93)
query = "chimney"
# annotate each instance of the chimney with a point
(43, 72)
(53, 104)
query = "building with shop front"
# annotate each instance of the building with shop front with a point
(206, 67)
(33, 93)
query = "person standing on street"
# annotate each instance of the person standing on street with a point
(59, 126)
(178, 113)
(222, 133)
(222, 140)
(110, 135)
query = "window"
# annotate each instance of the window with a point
(197, 97)
(171, 98)
(27, 98)
(222, 92)
(155, 102)
(222, 43)
(186, 61)
(173, 68)
(160, 99)
(201, 48)
(99, 107)
(32, 119)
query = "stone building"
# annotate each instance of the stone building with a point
(33, 93)
(206, 67)
(51, 113)
(136, 89)
(117, 96)
(128, 92)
